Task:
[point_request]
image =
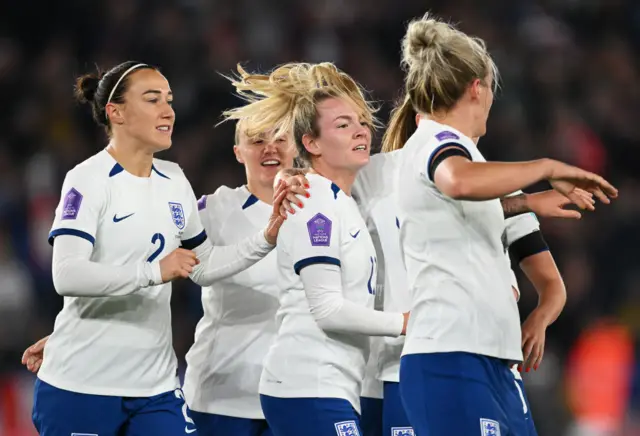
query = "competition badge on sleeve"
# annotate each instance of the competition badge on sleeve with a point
(446, 135)
(177, 215)
(71, 205)
(319, 230)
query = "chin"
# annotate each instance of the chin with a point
(163, 145)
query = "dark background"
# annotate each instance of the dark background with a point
(570, 90)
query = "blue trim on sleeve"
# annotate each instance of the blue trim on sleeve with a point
(73, 232)
(250, 201)
(153, 167)
(335, 188)
(196, 241)
(314, 260)
(440, 148)
(117, 169)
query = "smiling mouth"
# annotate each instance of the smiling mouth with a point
(360, 148)
(164, 129)
(270, 163)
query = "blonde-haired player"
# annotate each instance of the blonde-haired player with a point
(126, 226)
(464, 329)
(312, 378)
(233, 337)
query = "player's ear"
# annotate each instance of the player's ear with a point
(115, 113)
(311, 144)
(417, 119)
(236, 151)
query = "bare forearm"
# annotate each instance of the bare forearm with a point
(546, 279)
(514, 205)
(479, 181)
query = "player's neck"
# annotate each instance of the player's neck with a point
(134, 160)
(456, 118)
(343, 178)
(263, 193)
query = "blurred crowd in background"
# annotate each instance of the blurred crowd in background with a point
(570, 90)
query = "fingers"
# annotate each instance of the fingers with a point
(579, 201)
(606, 188)
(281, 205)
(601, 195)
(538, 361)
(299, 190)
(25, 356)
(569, 214)
(34, 364)
(301, 180)
(527, 349)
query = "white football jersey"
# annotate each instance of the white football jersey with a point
(458, 274)
(305, 361)
(375, 193)
(121, 345)
(235, 333)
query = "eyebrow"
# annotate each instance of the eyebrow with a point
(155, 91)
(346, 117)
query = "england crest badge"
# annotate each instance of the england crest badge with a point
(347, 428)
(489, 427)
(177, 215)
(402, 431)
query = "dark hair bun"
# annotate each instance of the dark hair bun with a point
(86, 87)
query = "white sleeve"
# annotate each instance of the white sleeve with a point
(520, 226)
(323, 288)
(219, 262)
(440, 141)
(74, 275)
(82, 201)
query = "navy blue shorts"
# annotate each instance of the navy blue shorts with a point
(57, 412)
(371, 417)
(311, 416)
(210, 424)
(394, 418)
(462, 394)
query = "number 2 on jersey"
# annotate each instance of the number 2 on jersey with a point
(155, 238)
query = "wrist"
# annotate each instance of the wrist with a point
(547, 168)
(271, 240)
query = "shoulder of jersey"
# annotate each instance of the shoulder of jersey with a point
(322, 189)
(170, 170)
(95, 170)
(222, 199)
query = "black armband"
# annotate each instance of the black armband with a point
(528, 245)
(452, 149)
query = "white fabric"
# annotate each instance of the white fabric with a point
(304, 360)
(333, 313)
(75, 275)
(375, 192)
(120, 344)
(457, 270)
(238, 326)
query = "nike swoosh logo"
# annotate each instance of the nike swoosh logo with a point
(356, 235)
(117, 220)
(189, 431)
